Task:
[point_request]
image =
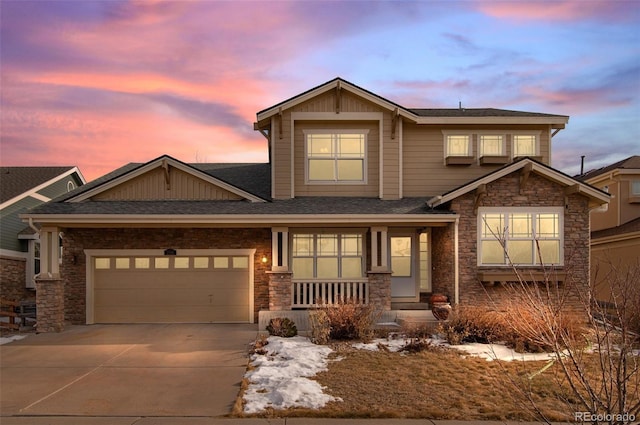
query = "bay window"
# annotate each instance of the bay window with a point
(336, 156)
(520, 236)
(327, 256)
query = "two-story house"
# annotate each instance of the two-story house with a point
(615, 227)
(362, 199)
(22, 188)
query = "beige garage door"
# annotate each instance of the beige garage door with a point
(171, 289)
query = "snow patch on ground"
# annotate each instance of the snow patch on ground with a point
(8, 339)
(281, 376)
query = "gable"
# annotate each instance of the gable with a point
(155, 186)
(330, 101)
(525, 168)
(164, 178)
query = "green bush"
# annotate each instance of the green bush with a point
(283, 327)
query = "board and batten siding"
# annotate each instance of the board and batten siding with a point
(152, 186)
(424, 169)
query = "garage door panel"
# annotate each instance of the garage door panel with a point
(148, 295)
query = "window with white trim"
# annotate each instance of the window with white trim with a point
(525, 145)
(458, 145)
(336, 156)
(520, 236)
(635, 188)
(491, 145)
(327, 255)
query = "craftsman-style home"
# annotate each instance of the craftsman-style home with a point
(362, 199)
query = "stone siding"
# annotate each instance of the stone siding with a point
(50, 305)
(13, 280)
(280, 290)
(506, 192)
(76, 240)
(380, 290)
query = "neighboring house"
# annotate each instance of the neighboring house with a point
(22, 188)
(362, 198)
(615, 228)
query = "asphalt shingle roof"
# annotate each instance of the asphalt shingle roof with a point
(301, 205)
(17, 180)
(477, 112)
(631, 162)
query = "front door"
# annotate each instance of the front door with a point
(404, 273)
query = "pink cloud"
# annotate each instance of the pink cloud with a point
(560, 10)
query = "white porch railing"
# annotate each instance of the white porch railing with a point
(313, 292)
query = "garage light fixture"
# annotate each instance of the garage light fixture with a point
(265, 259)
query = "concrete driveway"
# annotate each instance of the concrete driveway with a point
(172, 370)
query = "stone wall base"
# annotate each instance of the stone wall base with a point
(50, 305)
(280, 290)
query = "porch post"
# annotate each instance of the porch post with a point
(280, 249)
(49, 285)
(379, 262)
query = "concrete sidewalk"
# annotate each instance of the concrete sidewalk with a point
(109, 372)
(224, 421)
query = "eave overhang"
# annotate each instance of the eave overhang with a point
(596, 196)
(266, 220)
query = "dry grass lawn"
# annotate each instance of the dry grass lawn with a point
(434, 385)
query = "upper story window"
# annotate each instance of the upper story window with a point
(634, 196)
(458, 149)
(491, 145)
(336, 156)
(520, 236)
(327, 256)
(459, 145)
(525, 145)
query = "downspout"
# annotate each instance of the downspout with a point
(456, 266)
(35, 229)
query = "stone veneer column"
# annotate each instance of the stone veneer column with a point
(380, 290)
(50, 305)
(279, 290)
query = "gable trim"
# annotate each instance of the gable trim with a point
(331, 85)
(597, 197)
(33, 192)
(162, 162)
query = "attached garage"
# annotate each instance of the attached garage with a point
(172, 286)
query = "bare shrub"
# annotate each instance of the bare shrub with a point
(283, 327)
(349, 320)
(320, 327)
(473, 324)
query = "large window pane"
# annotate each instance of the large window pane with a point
(327, 245)
(320, 169)
(550, 251)
(302, 245)
(401, 266)
(351, 244)
(352, 267)
(320, 145)
(524, 145)
(520, 226)
(458, 146)
(401, 256)
(492, 252)
(520, 252)
(327, 267)
(351, 145)
(350, 169)
(491, 145)
(302, 268)
(493, 225)
(548, 226)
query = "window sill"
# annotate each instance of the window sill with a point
(634, 199)
(459, 160)
(493, 159)
(491, 278)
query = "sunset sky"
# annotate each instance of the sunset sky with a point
(99, 84)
